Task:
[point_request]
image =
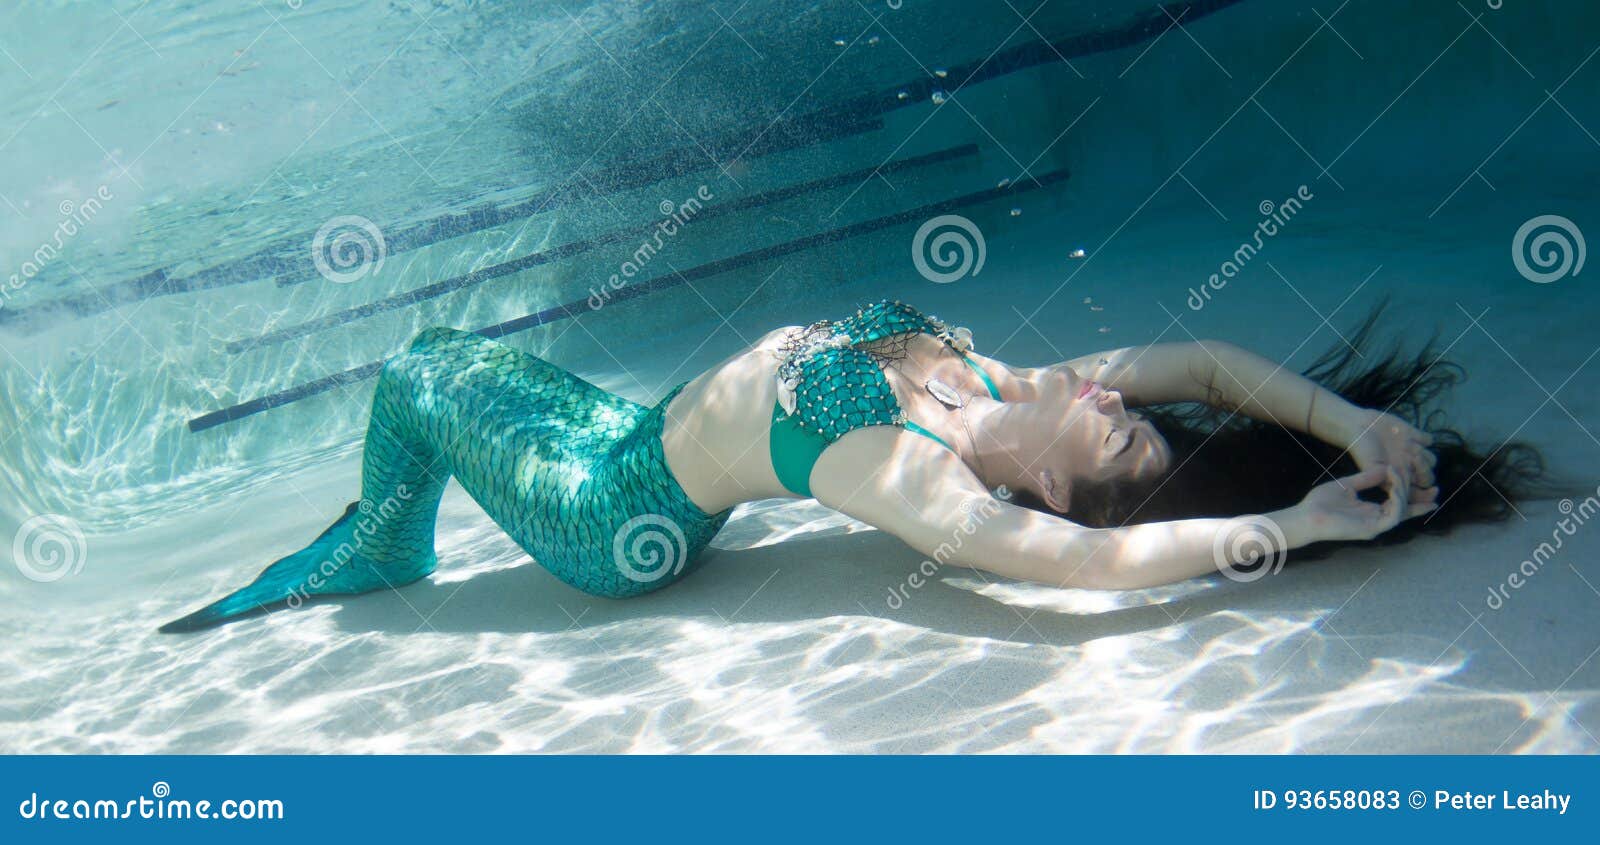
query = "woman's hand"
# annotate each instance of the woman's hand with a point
(1334, 510)
(1384, 440)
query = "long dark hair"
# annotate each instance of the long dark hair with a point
(1226, 464)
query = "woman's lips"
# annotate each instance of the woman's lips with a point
(1087, 388)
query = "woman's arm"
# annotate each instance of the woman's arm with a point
(923, 494)
(1222, 374)
(1227, 376)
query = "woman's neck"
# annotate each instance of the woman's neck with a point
(993, 449)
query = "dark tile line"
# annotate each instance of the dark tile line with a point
(484, 274)
(679, 162)
(288, 262)
(635, 290)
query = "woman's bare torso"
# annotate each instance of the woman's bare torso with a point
(716, 434)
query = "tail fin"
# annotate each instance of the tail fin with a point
(331, 565)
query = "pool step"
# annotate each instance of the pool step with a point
(569, 250)
(288, 260)
(639, 289)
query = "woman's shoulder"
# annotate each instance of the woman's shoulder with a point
(775, 338)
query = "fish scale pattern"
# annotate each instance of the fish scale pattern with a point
(574, 474)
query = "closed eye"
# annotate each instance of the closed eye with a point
(1127, 442)
(1126, 435)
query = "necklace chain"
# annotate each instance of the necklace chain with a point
(977, 457)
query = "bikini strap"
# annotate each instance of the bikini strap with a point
(994, 390)
(917, 429)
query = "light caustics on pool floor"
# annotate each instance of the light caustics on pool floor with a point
(509, 662)
(785, 642)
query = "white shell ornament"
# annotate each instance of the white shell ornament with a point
(786, 394)
(959, 338)
(946, 394)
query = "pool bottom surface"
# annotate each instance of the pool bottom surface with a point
(785, 639)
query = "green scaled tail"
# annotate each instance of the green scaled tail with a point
(329, 566)
(575, 475)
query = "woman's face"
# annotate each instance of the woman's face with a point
(1081, 432)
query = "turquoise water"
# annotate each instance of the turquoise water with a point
(213, 137)
(220, 216)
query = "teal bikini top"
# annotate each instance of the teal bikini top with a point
(832, 384)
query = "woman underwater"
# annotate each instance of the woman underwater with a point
(890, 417)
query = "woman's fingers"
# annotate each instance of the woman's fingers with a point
(1397, 504)
(1402, 471)
(1422, 471)
(1366, 479)
(1420, 508)
(1416, 434)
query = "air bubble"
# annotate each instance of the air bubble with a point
(939, 96)
(1016, 212)
(1077, 253)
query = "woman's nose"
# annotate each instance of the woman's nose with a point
(1110, 402)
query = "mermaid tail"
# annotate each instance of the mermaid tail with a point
(332, 565)
(574, 474)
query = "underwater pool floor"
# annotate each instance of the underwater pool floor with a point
(784, 641)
